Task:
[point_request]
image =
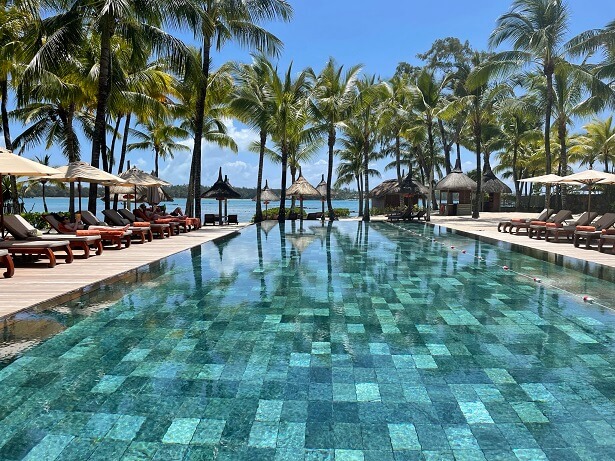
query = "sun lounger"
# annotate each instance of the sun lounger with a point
(126, 217)
(7, 261)
(39, 248)
(556, 231)
(22, 230)
(314, 216)
(594, 231)
(400, 216)
(537, 228)
(142, 232)
(607, 238)
(232, 219)
(210, 218)
(507, 225)
(115, 237)
(558, 217)
(421, 214)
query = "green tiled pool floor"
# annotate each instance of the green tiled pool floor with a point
(347, 342)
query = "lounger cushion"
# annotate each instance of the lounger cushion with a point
(538, 223)
(586, 228)
(554, 225)
(518, 220)
(608, 231)
(140, 224)
(83, 232)
(164, 220)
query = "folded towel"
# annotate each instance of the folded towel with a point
(586, 228)
(538, 223)
(608, 231)
(84, 232)
(140, 224)
(554, 225)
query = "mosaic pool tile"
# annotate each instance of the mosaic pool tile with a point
(369, 343)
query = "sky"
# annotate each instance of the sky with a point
(377, 35)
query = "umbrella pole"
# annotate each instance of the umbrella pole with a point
(323, 209)
(226, 208)
(79, 189)
(589, 199)
(220, 210)
(301, 212)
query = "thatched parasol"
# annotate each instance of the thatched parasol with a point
(301, 188)
(140, 178)
(411, 187)
(221, 190)
(301, 241)
(322, 190)
(456, 180)
(267, 195)
(491, 184)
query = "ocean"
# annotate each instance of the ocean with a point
(243, 208)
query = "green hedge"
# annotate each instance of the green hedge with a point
(36, 219)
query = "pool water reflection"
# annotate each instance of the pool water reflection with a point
(347, 342)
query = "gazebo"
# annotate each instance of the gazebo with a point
(494, 187)
(389, 194)
(456, 182)
(221, 190)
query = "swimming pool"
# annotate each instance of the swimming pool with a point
(346, 342)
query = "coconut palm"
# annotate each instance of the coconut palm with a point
(596, 145)
(334, 94)
(536, 29)
(428, 100)
(158, 136)
(289, 97)
(216, 22)
(253, 105)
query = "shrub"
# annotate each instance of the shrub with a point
(36, 219)
(272, 213)
(341, 212)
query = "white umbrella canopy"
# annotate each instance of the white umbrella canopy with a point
(15, 165)
(138, 177)
(609, 180)
(590, 178)
(544, 179)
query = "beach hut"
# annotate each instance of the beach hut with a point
(461, 186)
(389, 194)
(221, 190)
(494, 187)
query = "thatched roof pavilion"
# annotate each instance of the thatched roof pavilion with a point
(389, 193)
(494, 187)
(456, 181)
(221, 190)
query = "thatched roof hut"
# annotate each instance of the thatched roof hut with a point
(494, 187)
(301, 187)
(456, 181)
(388, 194)
(221, 190)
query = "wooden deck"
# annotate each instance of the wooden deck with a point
(38, 285)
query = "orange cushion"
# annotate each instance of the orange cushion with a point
(586, 228)
(554, 225)
(608, 231)
(538, 223)
(163, 221)
(518, 220)
(85, 232)
(140, 224)
(112, 232)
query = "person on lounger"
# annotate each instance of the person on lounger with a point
(68, 227)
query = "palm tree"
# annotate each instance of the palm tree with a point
(45, 160)
(536, 29)
(215, 22)
(428, 99)
(159, 137)
(290, 97)
(596, 145)
(333, 97)
(253, 105)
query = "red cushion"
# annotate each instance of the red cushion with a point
(163, 221)
(140, 224)
(538, 223)
(554, 225)
(608, 231)
(85, 232)
(586, 228)
(518, 220)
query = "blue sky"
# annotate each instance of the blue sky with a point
(375, 34)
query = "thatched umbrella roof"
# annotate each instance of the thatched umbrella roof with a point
(141, 178)
(456, 180)
(302, 241)
(228, 183)
(322, 187)
(220, 190)
(302, 188)
(391, 187)
(491, 184)
(267, 195)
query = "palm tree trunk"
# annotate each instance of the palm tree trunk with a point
(563, 158)
(44, 198)
(366, 149)
(431, 167)
(516, 178)
(259, 180)
(293, 176)
(116, 130)
(99, 138)
(198, 128)
(548, 71)
(282, 213)
(360, 190)
(331, 145)
(120, 165)
(478, 197)
(156, 156)
(4, 85)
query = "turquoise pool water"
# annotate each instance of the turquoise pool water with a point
(347, 342)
